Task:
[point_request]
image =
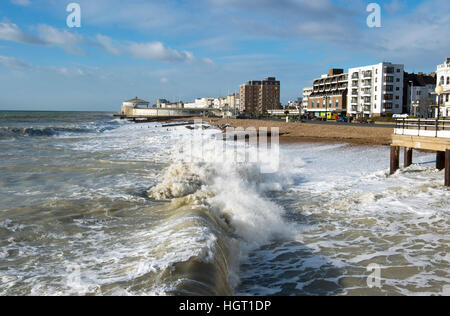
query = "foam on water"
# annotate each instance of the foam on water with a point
(135, 218)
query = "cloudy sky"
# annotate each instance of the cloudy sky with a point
(182, 49)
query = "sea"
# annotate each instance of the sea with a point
(94, 205)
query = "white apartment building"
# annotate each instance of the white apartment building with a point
(305, 97)
(375, 90)
(234, 102)
(443, 79)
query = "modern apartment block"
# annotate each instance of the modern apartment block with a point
(257, 97)
(443, 79)
(305, 97)
(329, 94)
(375, 90)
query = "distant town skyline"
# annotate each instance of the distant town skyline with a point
(182, 50)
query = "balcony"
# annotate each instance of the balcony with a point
(367, 83)
(367, 74)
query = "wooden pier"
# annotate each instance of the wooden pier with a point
(427, 135)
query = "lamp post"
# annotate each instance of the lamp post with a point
(439, 91)
(412, 94)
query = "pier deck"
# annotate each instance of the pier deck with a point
(430, 135)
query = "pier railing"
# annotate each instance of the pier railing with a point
(423, 127)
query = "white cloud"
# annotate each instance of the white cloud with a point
(64, 39)
(14, 63)
(418, 38)
(47, 35)
(157, 51)
(21, 2)
(20, 65)
(107, 44)
(11, 32)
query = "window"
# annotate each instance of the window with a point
(398, 70)
(448, 80)
(337, 103)
(389, 79)
(397, 106)
(397, 97)
(398, 79)
(397, 89)
(447, 98)
(390, 88)
(442, 81)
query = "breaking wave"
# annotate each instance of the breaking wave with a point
(224, 204)
(15, 132)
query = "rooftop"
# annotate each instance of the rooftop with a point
(138, 101)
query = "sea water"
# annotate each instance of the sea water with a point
(92, 205)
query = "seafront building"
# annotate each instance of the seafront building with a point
(200, 103)
(305, 97)
(129, 106)
(418, 94)
(329, 94)
(375, 90)
(257, 97)
(443, 79)
(234, 102)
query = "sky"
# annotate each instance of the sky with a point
(181, 50)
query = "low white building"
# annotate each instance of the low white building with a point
(443, 79)
(130, 105)
(200, 103)
(375, 90)
(219, 103)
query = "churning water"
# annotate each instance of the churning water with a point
(90, 205)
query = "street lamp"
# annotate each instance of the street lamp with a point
(439, 91)
(412, 88)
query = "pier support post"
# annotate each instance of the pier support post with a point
(440, 160)
(408, 157)
(447, 168)
(395, 159)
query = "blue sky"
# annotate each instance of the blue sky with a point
(180, 49)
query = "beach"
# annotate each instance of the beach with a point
(306, 132)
